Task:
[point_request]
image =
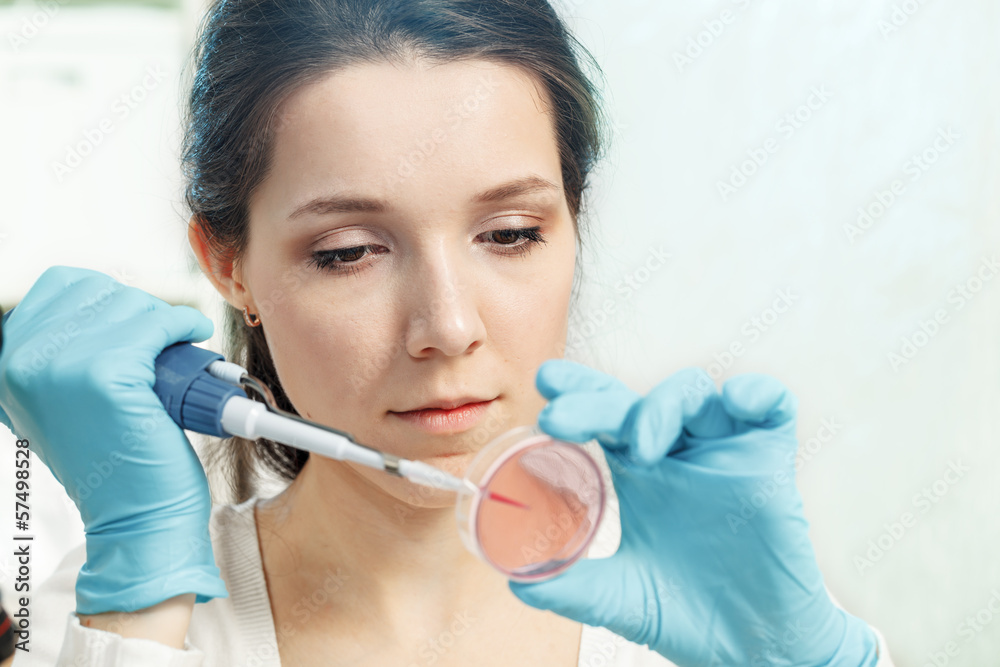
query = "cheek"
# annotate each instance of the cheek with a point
(530, 325)
(326, 342)
(325, 351)
(327, 363)
(541, 314)
(536, 327)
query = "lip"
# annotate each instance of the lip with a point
(437, 420)
(450, 404)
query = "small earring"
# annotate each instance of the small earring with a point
(255, 322)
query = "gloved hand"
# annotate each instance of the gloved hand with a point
(76, 380)
(715, 566)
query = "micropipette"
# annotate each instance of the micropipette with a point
(203, 392)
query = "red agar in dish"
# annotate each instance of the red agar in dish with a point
(493, 495)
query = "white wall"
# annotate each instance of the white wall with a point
(103, 82)
(681, 129)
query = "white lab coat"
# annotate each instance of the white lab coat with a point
(239, 631)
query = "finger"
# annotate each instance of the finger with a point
(558, 376)
(120, 303)
(687, 399)
(160, 328)
(73, 297)
(45, 301)
(759, 400)
(55, 280)
(584, 403)
(587, 415)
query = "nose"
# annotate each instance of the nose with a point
(443, 307)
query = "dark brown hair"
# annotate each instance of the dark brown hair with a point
(250, 55)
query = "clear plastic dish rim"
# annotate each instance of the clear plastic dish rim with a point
(524, 437)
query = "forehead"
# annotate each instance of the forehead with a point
(416, 130)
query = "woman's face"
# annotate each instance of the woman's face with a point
(412, 244)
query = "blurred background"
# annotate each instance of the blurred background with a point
(810, 190)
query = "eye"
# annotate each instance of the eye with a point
(519, 241)
(514, 242)
(343, 260)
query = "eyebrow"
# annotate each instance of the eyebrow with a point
(525, 185)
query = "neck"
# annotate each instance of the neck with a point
(398, 560)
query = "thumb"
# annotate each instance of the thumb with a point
(589, 592)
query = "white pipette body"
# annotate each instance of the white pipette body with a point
(250, 419)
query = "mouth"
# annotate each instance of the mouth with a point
(444, 421)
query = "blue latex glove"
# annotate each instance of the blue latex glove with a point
(715, 566)
(76, 380)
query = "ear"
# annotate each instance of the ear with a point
(219, 269)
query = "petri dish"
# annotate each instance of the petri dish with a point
(537, 507)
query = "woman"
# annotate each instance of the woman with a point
(387, 195)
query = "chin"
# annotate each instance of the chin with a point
(455, 463)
